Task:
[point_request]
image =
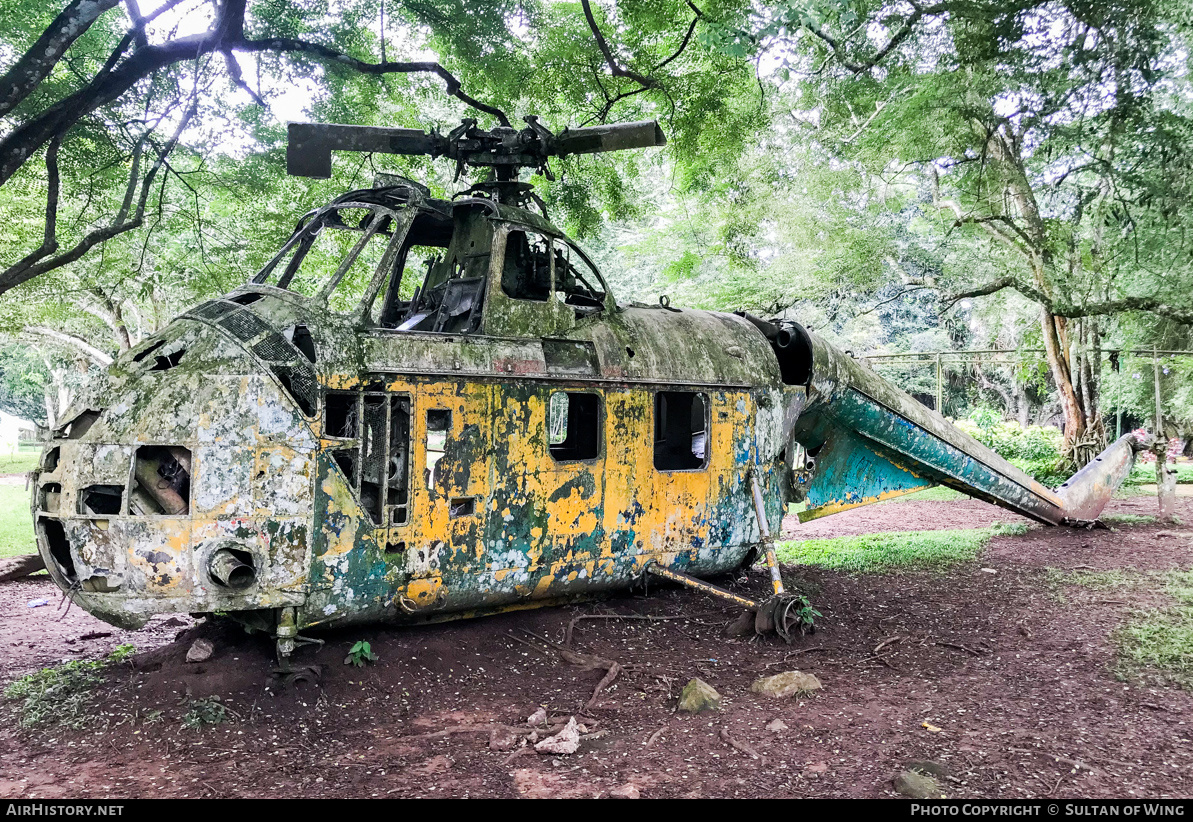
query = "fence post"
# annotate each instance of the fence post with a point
(939, 386)
(1165, 479)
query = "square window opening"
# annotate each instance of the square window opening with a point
(680, 431)
(398, 464)
(340, 414)
(50, 497)
(462, 507)
(574, 426)
(161, 481)
(526, 269)
(104, 500)
(373, 456)
(439, 422)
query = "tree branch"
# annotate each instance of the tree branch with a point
(900, 295)
(23, 272)
(988, 224)
(227, 34)
(686, 38)
(50, 242)
(614, 67)
(893, 43)
(94, 354)
(238, 78)
(287, 45)
(1069, 310)
(39, 60)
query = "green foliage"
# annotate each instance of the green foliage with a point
(937, 494)
(62, 694)
(360, 655)
(1159, 643)
(878, 553)
(985, 418)
(1036, 450)
(16, 522)
(805, 614)
(203, 712)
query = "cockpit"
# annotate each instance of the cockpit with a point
(398, 260)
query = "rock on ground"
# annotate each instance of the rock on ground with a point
(200, 651)
(502, 739)
(918, 785)
(699, 696)
(566, 741)
(627, 791)
(776, 726)
(786, 684)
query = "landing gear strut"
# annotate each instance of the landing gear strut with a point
(782, 613)
(288, 641)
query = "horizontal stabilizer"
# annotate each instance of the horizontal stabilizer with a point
(850, 473)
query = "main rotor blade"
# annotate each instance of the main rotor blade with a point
(308, 152)
(596, 139)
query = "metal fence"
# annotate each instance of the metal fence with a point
(934, 366)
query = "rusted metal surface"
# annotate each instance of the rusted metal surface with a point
(330, 445)
(283, 511)
(1085, 494)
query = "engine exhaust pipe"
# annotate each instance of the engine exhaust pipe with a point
(232, 569)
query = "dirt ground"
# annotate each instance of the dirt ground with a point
(994, 676)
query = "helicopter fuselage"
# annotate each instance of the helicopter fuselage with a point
(502, 437)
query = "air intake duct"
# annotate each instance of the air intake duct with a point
(792, 345)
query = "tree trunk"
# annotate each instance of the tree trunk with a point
(1093, 376)
(1022, 404)
(1058, 364)
(18, 567)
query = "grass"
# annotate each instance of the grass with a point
(1128, 519)
(62, 694)
(1159, 642)
(1095, 580)
(937, 494)
(908, 550)
(1144, 473)
(16, 522)
(22, 462)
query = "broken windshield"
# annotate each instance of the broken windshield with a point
(334, 257)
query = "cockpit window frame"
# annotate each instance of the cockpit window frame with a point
(400, 221)
(610, 303)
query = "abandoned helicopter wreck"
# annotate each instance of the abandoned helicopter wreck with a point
(423, 409)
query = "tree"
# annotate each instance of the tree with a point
(105, 97)
(1056, 131)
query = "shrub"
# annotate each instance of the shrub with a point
(1035, 450)
(62, 694)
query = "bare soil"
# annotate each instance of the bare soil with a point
(999, 677)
